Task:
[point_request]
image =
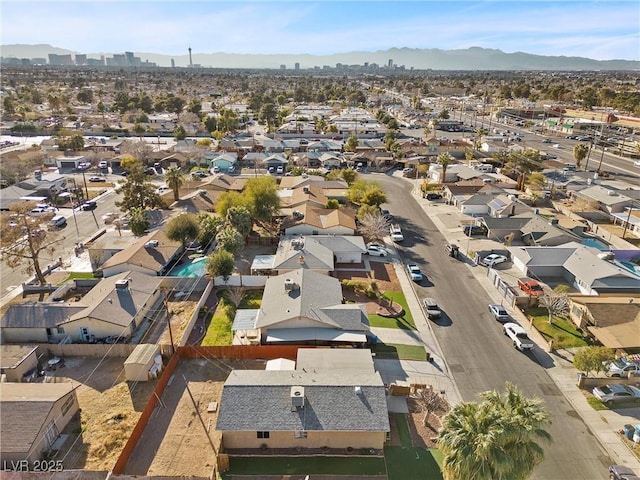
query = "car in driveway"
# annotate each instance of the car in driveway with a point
(530, 287)
(162, 189)
(199, 174)
(89, 205)
(475, 230)
(518, 336)
(617, 394)
(493, 260)
(97, 179)
(414, 272)
(499, 312)
(103, 164)
(621, 472)
(376, 251)
(432, 196)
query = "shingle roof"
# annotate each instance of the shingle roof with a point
(296, 252)
(38, 315)
(141, 256)
(25, 408)
(261, 401)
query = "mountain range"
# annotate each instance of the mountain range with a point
(474, 58)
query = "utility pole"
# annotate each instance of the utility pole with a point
(626, 225)
(165, 302)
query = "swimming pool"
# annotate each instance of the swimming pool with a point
(195, 268)
(596, 243)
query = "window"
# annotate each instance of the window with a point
(263, 434)
(300, 434)
(60, 330)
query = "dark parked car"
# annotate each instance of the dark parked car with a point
(475, 230)
(433, 196)
(90, 205)
(621, 472)
(452, 250)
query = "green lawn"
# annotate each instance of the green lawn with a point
(406, 321)
(401, 352)
(563, 332)
(74, 275)
(219, 331)
(403, 429)
(411, 463)
(306, 466)
(252, 299)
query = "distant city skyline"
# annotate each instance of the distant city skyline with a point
(593, 29)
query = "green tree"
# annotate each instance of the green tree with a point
(332, 204)
(351, 144)
(180, 133)
(444, 160)
(522, 164)
(498, 438)
(239, 217)
(365, 191)
(230, 239)
(374, 196)
(24, 241)
(228, 200)
(349, 175)
(537, 181)
(174, 180)
(220, 264)
(195, 106)
(592, 358)
(580, 152)
(138, 129)
(183, 228)
(262, 198)
(136, 191)
(138, 221)
(268, 114)
(210, 225)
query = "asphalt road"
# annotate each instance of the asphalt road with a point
(478, 354)
(88, 223)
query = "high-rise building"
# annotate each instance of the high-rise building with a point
(297, 66)
(81, 59)
(390, 63)
(283, 67)
(55, 59)
(173, 63)
(129, 59)
(190, 59)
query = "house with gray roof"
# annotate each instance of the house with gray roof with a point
(317, 252)
(33, 415)
(309, 408)
(305, 307)
(547, 232)
(585, 268)
(605, 199)
(115, 307)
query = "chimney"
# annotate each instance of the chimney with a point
(122, 284)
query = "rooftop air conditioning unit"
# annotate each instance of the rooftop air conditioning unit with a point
(152, 244)
(297, 396)
(289, 285)
(612, 193)
(122, 284)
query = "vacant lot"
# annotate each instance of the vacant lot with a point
(109, 409)
(180, 438)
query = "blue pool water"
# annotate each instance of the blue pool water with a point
(194, 269)
(596, 243)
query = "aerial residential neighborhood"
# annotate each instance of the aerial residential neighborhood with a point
(317, 272)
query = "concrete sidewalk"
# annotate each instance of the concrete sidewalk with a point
(603, 424)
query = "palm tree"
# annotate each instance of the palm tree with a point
(580, 152)
(494, 439)
(174, 179)
(444, 159)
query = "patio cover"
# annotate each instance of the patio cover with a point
(276, 335)
(280, 364)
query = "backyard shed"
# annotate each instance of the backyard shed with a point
(145, 362)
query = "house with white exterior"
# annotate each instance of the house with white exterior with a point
(319, 253)
(583, 267)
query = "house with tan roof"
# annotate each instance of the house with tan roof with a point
(312, 220)
(33, 416)
(612, 320)
(151, 254)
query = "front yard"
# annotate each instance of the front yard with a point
(562, 331)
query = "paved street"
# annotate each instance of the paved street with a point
(474, 348)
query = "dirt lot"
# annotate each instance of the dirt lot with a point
(109, 409)
(182, 425)
(421, 436)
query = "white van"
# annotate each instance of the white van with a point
(58, 221)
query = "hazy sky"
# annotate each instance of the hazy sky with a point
(602, 30)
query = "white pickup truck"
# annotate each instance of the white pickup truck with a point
(622, 367)
(396, 233)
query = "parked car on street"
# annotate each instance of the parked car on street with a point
(617, 394)
(396, 233)
(499, 312)
(103, 164)
(518, 336)
(452, 250)
(414, 272)
(95, 179)
(432, 196)
(547, 140)
(621, 472)
(89, 205)
(431, 307)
